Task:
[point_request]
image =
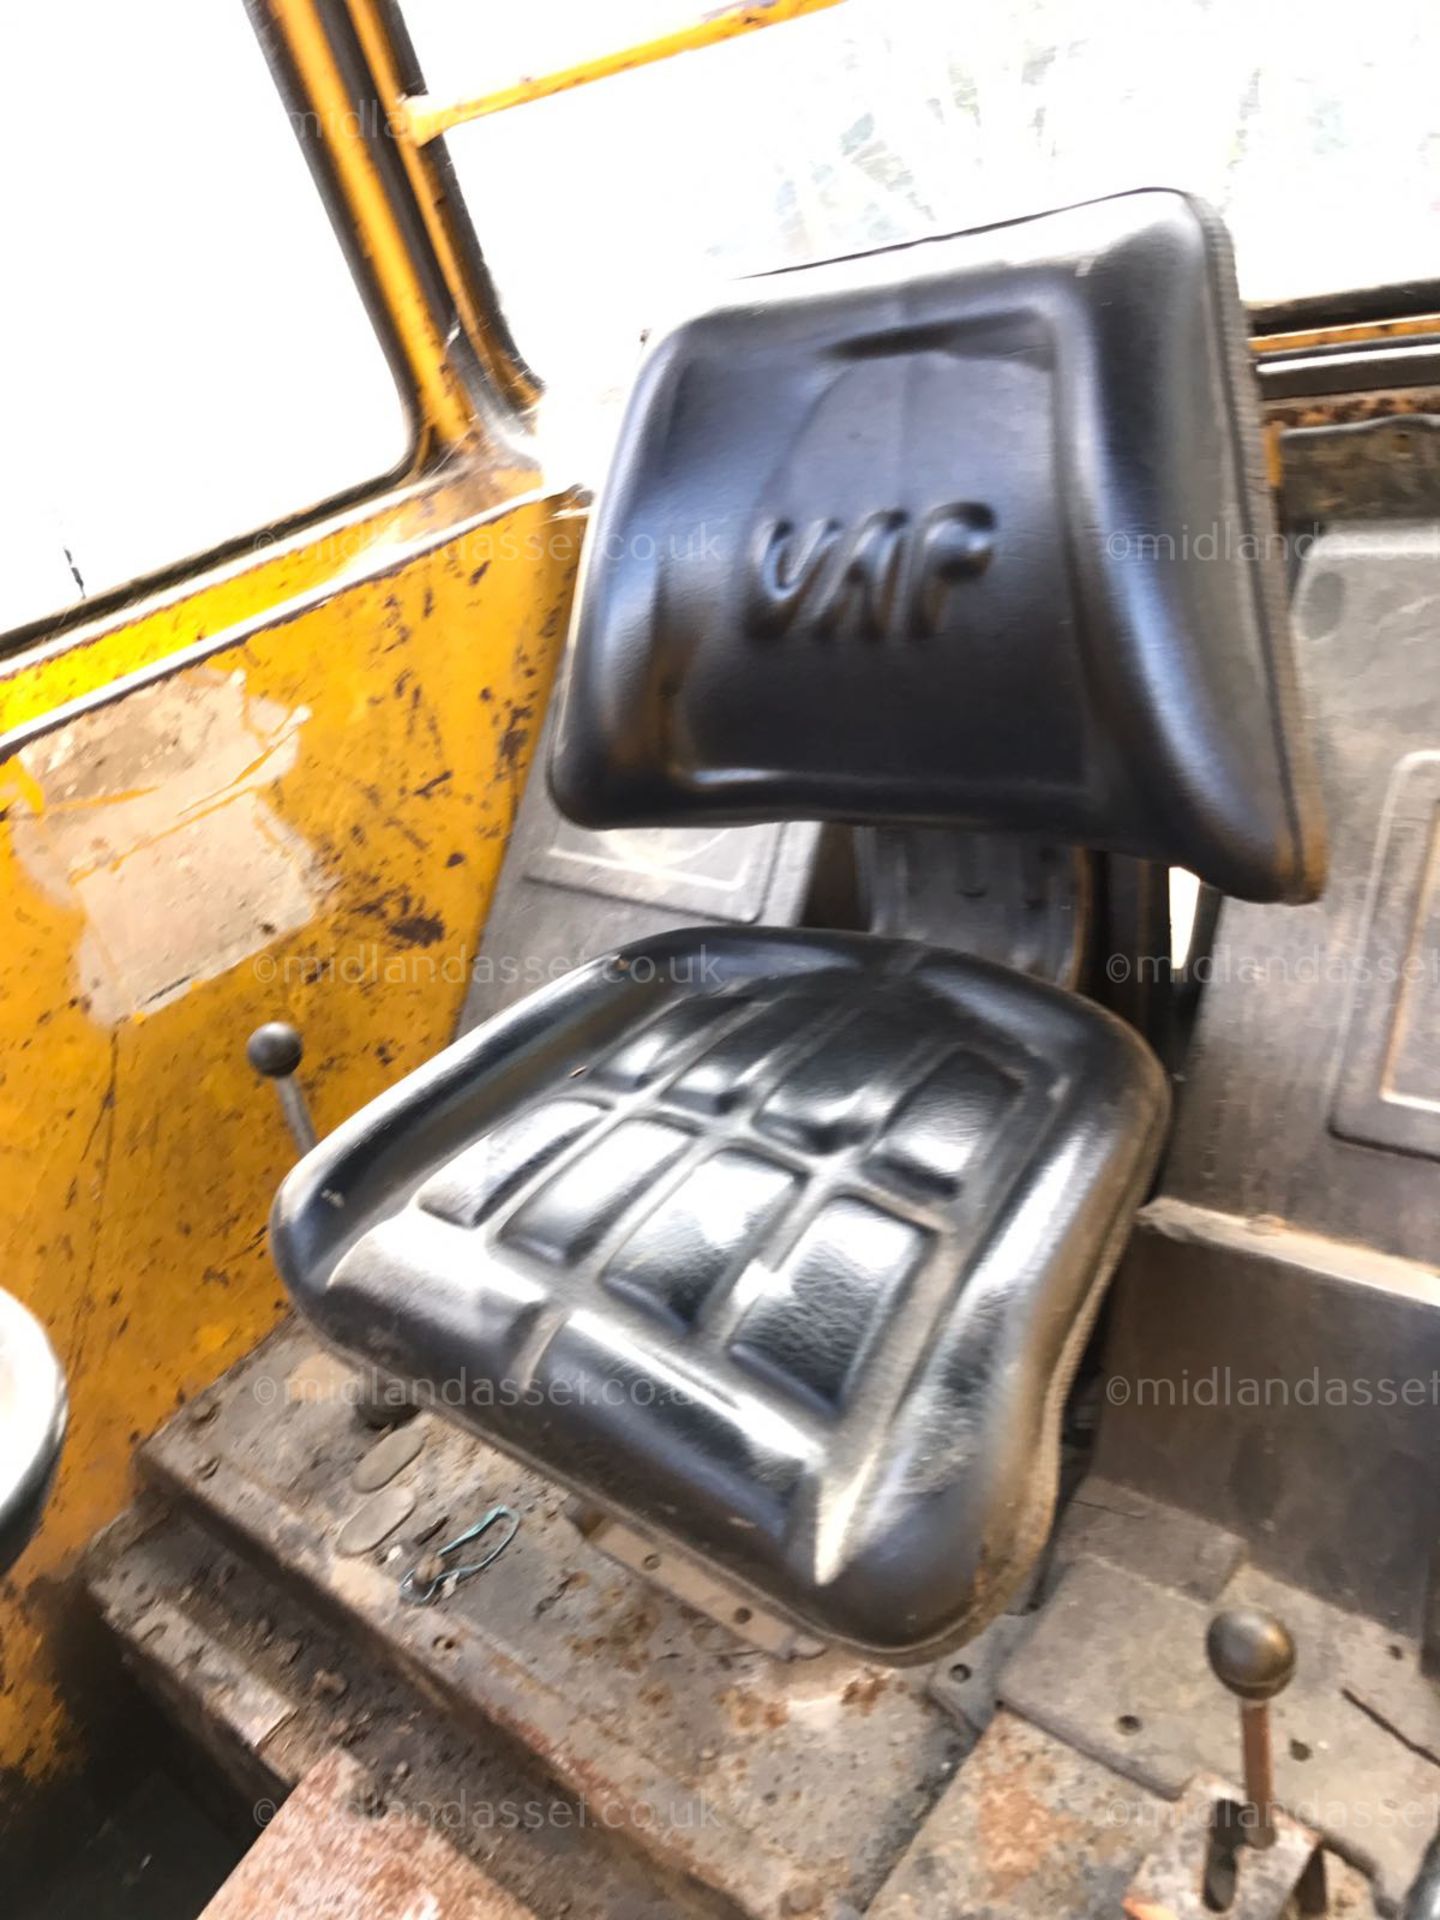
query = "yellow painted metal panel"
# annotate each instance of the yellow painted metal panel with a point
(306, 821)
(1360, 334)
(79, 656)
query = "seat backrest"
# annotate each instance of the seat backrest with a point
(970, 530)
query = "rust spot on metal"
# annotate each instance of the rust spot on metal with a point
(1377, 457)
(418, 930)
(748, 1710)
(623, 1642)
(1339, 409)
(1016, 1826)
(335, 1848)
(863, 1691)
(514, 740)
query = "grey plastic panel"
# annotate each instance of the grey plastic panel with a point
(720, 875)
(1389, 1085)
(567, 895)
(1314, 1075)
(1020, 902)
(1275, 1335)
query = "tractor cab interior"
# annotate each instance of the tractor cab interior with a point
(837, 1313)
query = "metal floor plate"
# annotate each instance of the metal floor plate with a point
(1033, 1830)
(1357, 1733)
(256, 1680)
(698, 1777)
(326, 1853)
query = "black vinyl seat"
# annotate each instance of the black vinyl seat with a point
(782, 1246)
(792, 1237)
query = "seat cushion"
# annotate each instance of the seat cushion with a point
(782, 1246)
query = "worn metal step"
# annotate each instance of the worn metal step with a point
(782, 1787)
(610, 1754)
(327, 1853)
(271, 1691)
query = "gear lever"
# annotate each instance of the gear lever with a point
(275, 1052)
(1253, 1655)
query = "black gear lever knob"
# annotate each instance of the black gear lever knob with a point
(275, 1052)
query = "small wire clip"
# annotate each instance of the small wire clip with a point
(425, 1581)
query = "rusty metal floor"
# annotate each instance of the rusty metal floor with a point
(600, 1749)
(330, 1855)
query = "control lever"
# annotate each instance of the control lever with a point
(275, 1052)
(1253, 1655)
(1248, 1859)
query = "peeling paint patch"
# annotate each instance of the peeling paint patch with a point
(151, 817)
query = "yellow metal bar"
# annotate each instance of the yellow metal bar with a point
(423, 119)
(1362, 333)
(435, 211)
(447, 406)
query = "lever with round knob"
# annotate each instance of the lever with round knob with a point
(275, 1052)
(1253, 1654)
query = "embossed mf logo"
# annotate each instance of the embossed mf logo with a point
(885, 576)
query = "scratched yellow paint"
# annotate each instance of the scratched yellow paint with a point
(74, 659)
(137, 1161)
